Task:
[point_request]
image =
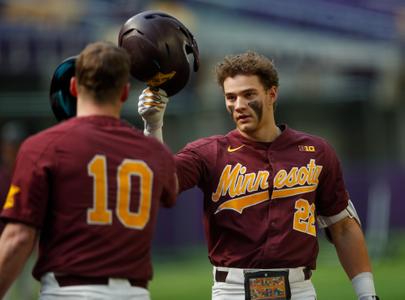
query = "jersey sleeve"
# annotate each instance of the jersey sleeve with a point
(28, 194)
(332, 195)
(190, 167)
(169, 191)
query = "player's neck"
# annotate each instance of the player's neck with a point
(86, 107)
(264, 134)
(266, 131)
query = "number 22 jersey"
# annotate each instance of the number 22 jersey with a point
(261, 199)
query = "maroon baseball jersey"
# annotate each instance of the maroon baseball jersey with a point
(5, 178)
(261, 199)
(92, 185)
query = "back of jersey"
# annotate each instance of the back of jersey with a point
(93, 188)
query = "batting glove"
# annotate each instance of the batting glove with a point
(151, 106)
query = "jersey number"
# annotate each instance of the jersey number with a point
(100, 213)
(304, 217)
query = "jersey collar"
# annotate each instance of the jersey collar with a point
(280, 140)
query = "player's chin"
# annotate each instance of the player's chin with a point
(246, 127)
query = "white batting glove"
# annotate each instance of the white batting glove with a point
(151, 106)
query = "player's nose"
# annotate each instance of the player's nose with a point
(240, 103)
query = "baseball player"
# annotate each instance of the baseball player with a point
(89, 190)
(266, 188)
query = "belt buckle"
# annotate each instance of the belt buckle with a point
(267, 285)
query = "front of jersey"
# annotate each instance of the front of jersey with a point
(261, 199)
(92, 186)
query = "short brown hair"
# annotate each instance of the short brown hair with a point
(103, 70)
(248, 63)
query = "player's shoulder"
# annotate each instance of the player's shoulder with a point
(156, 146)
(39, 145)
(307, 139)
(45, 138)
(71, 131)
(204, 143)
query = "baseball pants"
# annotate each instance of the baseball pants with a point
(115, 289)
(232, 287)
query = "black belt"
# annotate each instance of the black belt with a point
(220, 276)
(69, 280)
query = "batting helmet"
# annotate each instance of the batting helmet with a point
(158, 45)
(63, 103)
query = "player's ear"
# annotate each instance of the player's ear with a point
(73, 86)
(125, 92)
(273, 92)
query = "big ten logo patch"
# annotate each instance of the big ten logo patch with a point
(306, 148)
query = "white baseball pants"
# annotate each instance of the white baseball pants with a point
(116, 289)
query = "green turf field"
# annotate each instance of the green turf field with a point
(189, 275)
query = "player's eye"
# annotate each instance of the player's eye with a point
(250, 95)
(230, 98)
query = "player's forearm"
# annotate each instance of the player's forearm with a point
(156, 133)
(352, 251)
(351, 248)
(16, 244)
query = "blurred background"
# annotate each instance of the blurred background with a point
(342, 76)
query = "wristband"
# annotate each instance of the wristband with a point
(363, 285)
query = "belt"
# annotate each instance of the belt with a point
(220, 276)
(69, 280)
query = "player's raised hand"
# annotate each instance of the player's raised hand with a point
(151, 106)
